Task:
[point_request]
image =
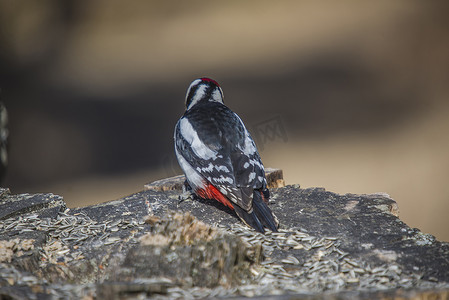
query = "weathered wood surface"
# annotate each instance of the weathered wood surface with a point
(151, 245)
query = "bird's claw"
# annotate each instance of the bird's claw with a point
(187, 193)
(185, 196)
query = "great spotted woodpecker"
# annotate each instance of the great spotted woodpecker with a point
(219, 157)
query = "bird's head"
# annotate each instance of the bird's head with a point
(203, 89)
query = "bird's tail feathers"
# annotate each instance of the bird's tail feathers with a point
(263, 212)
(260, 216)
(249, 219)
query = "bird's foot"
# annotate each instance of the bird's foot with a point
(187, 193)
(186, 196)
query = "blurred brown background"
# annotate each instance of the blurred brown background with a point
(348, 95)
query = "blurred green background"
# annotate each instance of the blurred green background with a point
(348, 95)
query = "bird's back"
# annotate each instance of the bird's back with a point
(217, 126)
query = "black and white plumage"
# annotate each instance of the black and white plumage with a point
(219, 157)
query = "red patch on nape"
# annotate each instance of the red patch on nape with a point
(211, 192)
(209, 80)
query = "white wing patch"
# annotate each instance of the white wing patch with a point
(210, 167)
(223, 179)
(229, 192)
(249, 148)
(191, 137)
(193, 177)
(251, 176)
(256, 162)
(222, 168)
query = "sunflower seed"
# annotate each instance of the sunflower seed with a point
(290, 260)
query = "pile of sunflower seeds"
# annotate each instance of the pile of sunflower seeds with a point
(328, 269)
(296, 262)
(68, 232)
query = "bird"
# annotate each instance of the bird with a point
(219, 157)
